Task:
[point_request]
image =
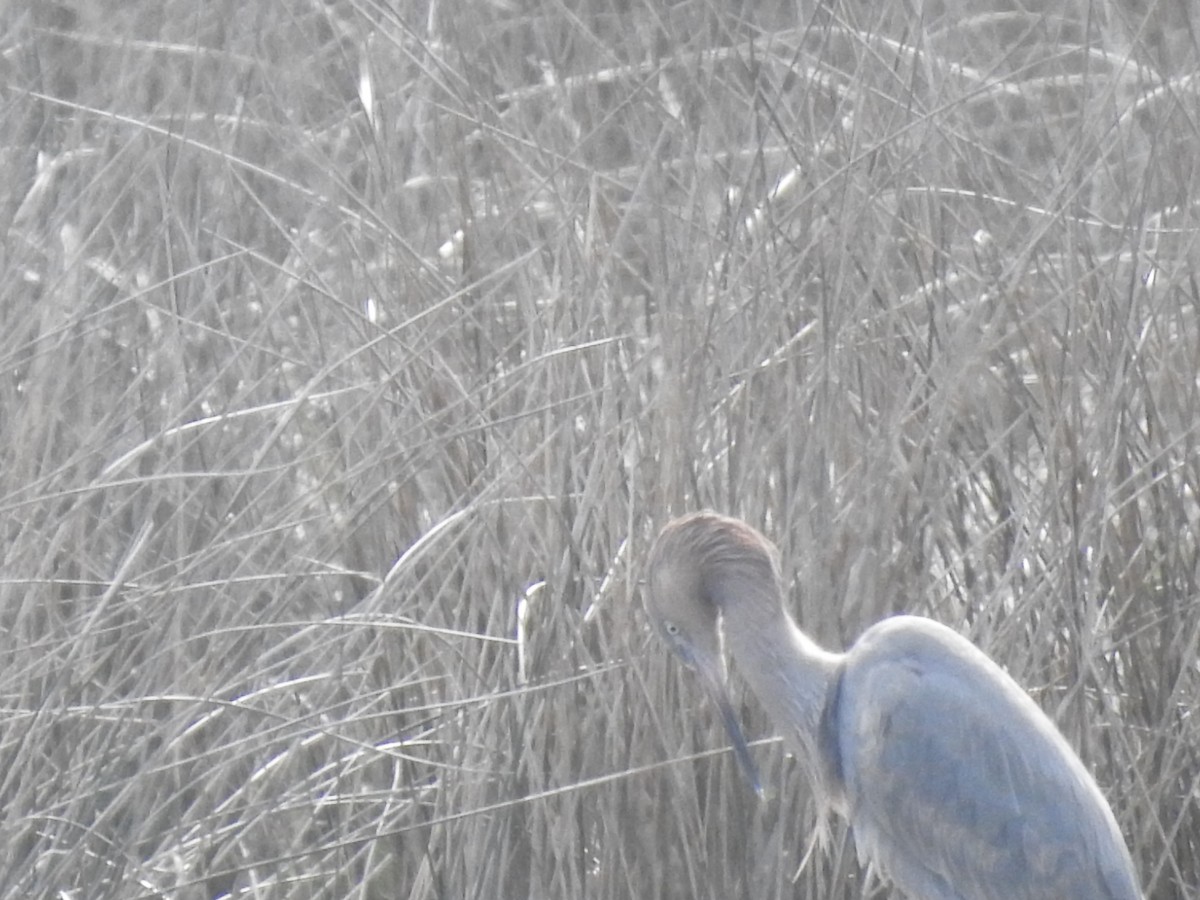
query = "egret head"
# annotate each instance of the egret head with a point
(697, 565)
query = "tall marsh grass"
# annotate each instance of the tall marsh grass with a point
(353, 352)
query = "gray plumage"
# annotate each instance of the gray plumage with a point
(955, 783)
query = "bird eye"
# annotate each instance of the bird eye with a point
(671, 629)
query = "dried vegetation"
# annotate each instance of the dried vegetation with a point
(351, 352)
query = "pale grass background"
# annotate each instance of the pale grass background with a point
(352, 354)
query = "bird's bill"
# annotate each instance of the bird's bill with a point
(720, 696)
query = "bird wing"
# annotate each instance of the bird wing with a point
(957, 786)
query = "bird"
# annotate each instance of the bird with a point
(954, 783)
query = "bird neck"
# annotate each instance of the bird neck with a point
(787, 671)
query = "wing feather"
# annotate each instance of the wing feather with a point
(957, 785)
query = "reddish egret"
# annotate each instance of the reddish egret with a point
(955, 784)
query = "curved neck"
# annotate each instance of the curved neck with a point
(789, 673)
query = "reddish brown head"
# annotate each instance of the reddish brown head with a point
(694, 566)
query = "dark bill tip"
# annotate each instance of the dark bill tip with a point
(740, 749)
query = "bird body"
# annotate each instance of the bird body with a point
(955, 783)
